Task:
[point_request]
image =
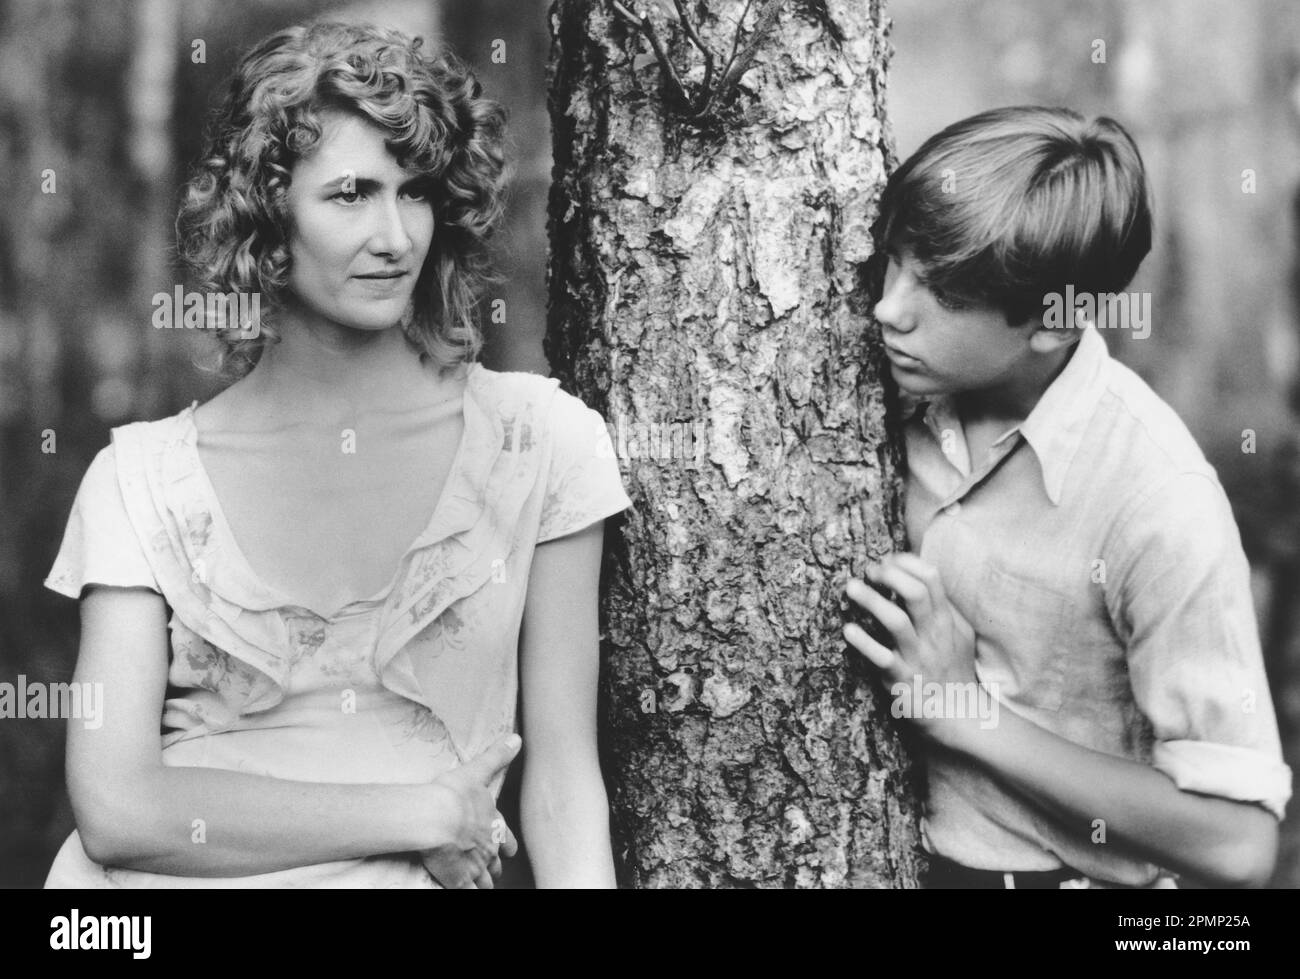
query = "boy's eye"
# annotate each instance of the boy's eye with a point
(347, 197)
(946, 299)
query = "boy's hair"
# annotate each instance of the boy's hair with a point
(1012, 204)
(233, 224)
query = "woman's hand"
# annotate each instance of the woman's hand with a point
(474, 833)
(934, 642)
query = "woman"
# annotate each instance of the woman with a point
(339, 552)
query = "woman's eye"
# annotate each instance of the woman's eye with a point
(350, 197)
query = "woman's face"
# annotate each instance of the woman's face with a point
(360, 227)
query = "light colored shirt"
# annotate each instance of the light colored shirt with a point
(1095, 554)
(397, 688)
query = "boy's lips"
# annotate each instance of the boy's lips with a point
(899, 356)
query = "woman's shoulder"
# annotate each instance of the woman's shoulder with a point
(580, 478)
(509, 391)
(111, 461)
(510, 384)
(100, 481)
(108, 539)
(166, 428)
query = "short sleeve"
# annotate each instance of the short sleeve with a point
(99, 545)
(1193, 646)
(583, 483)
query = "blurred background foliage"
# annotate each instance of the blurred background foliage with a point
(106, 98)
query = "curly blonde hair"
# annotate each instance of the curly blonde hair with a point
(233, 225)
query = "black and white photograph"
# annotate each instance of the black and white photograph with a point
(651, 444)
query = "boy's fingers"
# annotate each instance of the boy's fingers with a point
(962, 623)
(924, 572)
(881, 658)
(889, 615)
(913, 591)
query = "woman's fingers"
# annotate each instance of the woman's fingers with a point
(477, 863)
(483, 768)
(455, 873)
(503, 838)
(470, 868)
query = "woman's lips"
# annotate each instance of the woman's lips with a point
(382, 281)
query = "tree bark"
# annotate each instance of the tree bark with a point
(705, 297)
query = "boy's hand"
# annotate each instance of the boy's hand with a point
(933, 640)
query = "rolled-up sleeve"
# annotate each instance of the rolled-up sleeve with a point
(1181, 594)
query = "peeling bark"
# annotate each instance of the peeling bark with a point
(705, 280)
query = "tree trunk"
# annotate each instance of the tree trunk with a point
(705, 298)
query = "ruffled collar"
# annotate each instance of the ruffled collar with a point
(194, 502)
(476, 525)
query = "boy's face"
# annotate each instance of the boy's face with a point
(939, 347)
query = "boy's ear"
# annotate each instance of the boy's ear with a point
(1046, 340)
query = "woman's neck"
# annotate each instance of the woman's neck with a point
(320, 373)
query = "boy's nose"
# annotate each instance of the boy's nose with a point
(891, 311)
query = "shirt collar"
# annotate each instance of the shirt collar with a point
(1056, 425)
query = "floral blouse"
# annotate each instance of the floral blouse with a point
(401, 687)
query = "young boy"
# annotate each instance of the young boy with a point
(1076, 557)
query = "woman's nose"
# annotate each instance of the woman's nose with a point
(391, 237)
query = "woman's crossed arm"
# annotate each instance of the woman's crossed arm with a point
(135, 812)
